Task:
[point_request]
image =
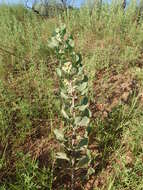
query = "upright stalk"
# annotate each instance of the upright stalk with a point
(75, 111)
(73, 140)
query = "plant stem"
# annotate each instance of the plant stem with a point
(73, 161)
(73, 139)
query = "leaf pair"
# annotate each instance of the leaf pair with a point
(82, 121)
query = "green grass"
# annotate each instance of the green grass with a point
(111, 45)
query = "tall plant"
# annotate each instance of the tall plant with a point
(73, 83)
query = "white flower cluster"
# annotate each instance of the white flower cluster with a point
(67, 67)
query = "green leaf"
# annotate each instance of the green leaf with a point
(80, 70)
(63, 95)
(63, 29)
(85, 79)
(84, 122)
(84, 104)
(82, 108)
(59, 73)
(77, 120)
(65, 114)
(89, 129)
(83, 142)
(57, 30)
(90, 171)
(78, 58)
(62, 155)
(59, 135)
(84, 92)
(71, 42)
(53, 43)
(84, 101)
(89, 154)
(83, 162)
(82, 86)
(87, 113)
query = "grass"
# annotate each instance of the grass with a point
(111, 45)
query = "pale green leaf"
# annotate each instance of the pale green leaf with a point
(63, 95)
(82, 108)
(62, 156)
(84, 92)
(71, 42)
(63, 29)
(83, 162)
(59, 135)
(78, 58)
(88, 153)
(82, 86)
(90, 171)
(84, 122)
(53, 43)
(59, 73)
(65, 114)
(77, 120)
(57, 30)
(80, 70)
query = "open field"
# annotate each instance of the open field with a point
(111, 44)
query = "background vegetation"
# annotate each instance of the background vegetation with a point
(110, 39)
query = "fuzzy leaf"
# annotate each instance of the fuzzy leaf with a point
(62, 155)
(82, 86)
(71, 42)
(57, 30)
(59, 135)
(65, 114)
(83, 161)
(83, 142)
(85, 78)
(82, 108)
(77, 120)
(87, 113)
(80, 70)
(59, 73)
(84, 122)
(63, 29)
(78, 58)
(84, 92)
(53, 43)
(88, 154)
(63, 95)
(84, 101)
(89, 129)
(84, 104)
(90, 171)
